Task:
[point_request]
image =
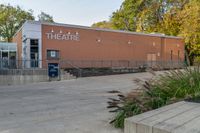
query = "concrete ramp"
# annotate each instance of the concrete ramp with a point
(181, 117)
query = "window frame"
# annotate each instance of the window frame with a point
(53, 58)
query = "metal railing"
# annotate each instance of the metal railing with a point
(23, 72)
(80, 64)
(123, 64)
(20, 64)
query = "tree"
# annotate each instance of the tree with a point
(103, 24)
(11, 19)
(44, 17)
(190, 27)
(144, 15)
(127, 16)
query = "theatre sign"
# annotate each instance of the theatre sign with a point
(63, 36)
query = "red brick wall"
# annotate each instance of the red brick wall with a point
(174, 45)
(18, 39)
(113, 45)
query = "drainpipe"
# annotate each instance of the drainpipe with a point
(162, 49)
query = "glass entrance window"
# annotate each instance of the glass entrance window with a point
(8, 55)
(34, 52)
(5, 59)
(12, 59)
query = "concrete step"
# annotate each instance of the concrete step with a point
(66, 76)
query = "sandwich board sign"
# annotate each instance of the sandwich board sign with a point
(53, 70)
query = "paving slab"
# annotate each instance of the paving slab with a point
(173, 118)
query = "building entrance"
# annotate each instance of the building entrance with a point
(8, 55)
(34, 52)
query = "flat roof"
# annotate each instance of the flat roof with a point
(100, 29)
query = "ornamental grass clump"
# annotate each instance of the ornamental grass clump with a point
(166, 88)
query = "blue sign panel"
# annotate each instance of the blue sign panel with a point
(53, 70)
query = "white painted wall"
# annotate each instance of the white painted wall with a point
(31, 30)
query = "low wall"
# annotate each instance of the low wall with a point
(22, 76)
(25, 76)
(21, 79)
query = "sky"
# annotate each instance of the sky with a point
(78, 12)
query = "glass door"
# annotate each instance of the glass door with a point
(5, 59)
(34, 52)
(12, 59)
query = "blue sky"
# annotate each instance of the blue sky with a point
(79, 12)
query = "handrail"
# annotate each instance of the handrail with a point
(76, 67)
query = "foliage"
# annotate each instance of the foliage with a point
(167, 88)
(103, 24)
(127, 16)
(190, 27)
(11, 19)
(44, 17)
(197, 60)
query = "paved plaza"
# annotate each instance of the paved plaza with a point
(73, 106)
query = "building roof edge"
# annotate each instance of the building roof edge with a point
(98, 29)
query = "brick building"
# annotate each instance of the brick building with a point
(85, 47)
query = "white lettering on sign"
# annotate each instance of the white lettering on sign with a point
(59, 36)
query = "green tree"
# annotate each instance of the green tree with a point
(103, 24)
(44, 17)
(11, 19)
(127, 16)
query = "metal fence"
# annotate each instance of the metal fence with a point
(122, 64)
(79, 64)
(20, 64)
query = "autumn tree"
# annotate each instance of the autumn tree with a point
(190, 27)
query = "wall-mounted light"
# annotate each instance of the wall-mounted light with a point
(52, 31)
(77, 33)
(158, 54)
(68, 33)
(154, 44)
(60, 31)
(129, 42)
(98, 40)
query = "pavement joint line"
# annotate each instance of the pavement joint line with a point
(197, 117)
(160, 112)
(176, 115)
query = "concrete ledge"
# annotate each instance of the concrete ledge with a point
(25, 76)
(181, 117)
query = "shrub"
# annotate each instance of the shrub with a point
(197, 60)
(167, 88)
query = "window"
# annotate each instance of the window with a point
(34, 50)
(34, 53)
(52, 54)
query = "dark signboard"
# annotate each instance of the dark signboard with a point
(53, 70)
